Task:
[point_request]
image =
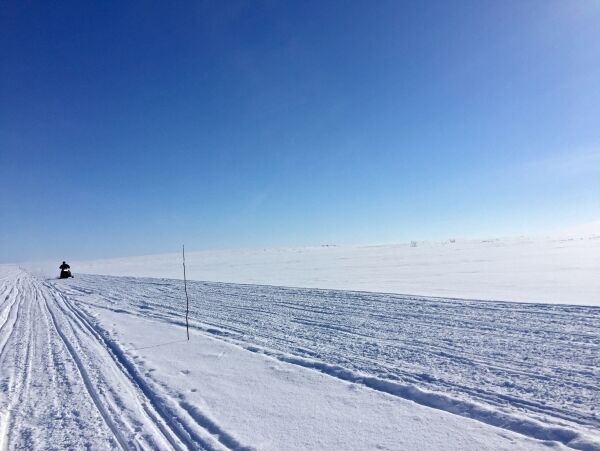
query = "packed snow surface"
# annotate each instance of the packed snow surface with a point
(550, 270)
(102, 362)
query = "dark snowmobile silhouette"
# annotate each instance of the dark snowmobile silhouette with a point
(65, 271)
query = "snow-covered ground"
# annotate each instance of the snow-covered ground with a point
(102, 362)
(550, 270)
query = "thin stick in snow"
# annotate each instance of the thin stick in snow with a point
(187, 300)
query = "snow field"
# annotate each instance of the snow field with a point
(528, 368)
(82, 368)
(74, 376)
(255, 401)
(560, 270)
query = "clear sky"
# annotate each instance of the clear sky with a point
(132, 127)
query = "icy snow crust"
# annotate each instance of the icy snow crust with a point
(529, 368)
(101, 363)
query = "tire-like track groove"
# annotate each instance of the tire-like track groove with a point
(156, 407)
(88, 384)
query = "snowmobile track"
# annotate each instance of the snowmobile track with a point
(66, 360)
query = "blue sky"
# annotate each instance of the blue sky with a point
(132, 127)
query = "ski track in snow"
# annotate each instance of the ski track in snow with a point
(531, 368)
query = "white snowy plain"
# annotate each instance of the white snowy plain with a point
(102, 362)
(558, 270)
(82, 368)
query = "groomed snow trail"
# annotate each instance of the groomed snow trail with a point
(35, 365)
(61, 386)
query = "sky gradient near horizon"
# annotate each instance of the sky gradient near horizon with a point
(130, 128)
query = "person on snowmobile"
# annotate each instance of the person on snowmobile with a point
(65, 271)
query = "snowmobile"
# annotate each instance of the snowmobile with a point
(65, 271)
